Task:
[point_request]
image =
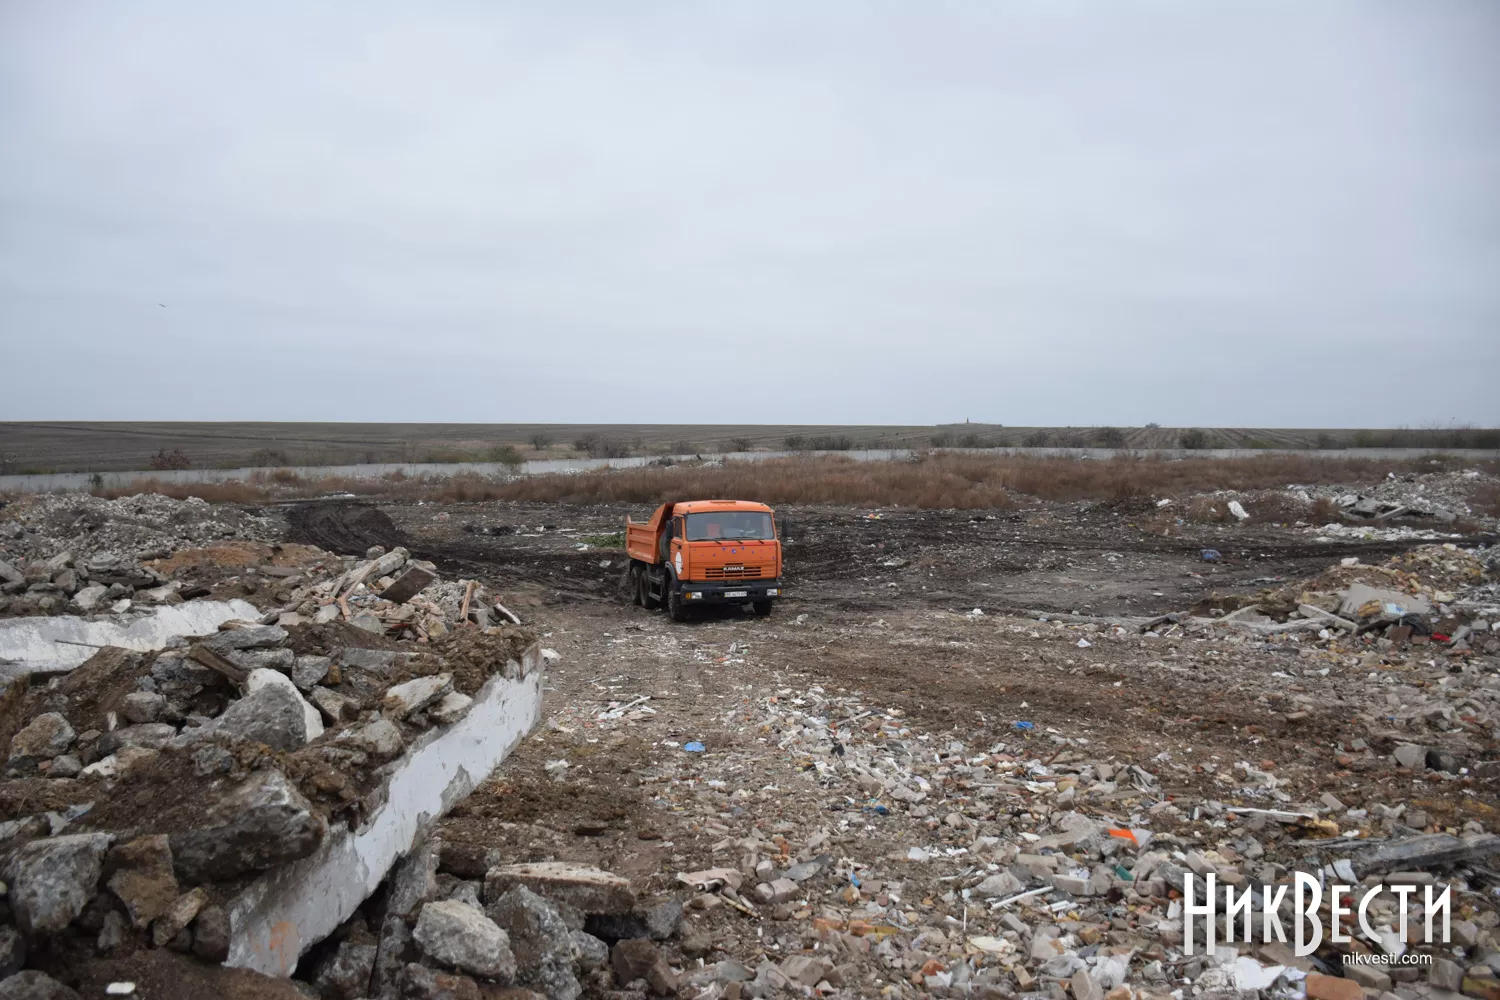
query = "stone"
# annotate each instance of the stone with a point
(392, 954)
(460, 936)
(261, 823)
(1321, 987)
(1072, 885)
(414, 879)
(592, 953)
(1085, 986)
(274, 715)
(279, 660)
(142, 878)
(408, 585)
(143, 706)
(805, 969)
(66, 766)
(345, 974)
(145, 735)
(34, 985)
(9, 574)
(308, 671)
(422, 983)
(181, 913)
(1371, 977)
(450, 708)
(89, 598)
(1411, 756)
(379, 737)
(52, 880)
(540, 940)
(631, 959)
(663, 919)
(113, 932)
(1446, 974)
(783, 890)
(263, 678)
(13, 951)
(415, 695)
(66, 581)
(336, 706)
(999, 884)
(211, 934)
(254, 637)
(661, 979)
(46, 736)
(591, 890)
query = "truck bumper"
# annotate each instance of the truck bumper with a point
(729, 592)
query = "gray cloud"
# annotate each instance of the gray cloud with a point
(1265, 213)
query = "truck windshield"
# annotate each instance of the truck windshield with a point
(735, 524)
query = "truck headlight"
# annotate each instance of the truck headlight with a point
(773, 592)
(695, 595)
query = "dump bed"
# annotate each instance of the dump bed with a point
(642, 540)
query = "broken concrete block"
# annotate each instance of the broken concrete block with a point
(211, 934)
(345, 974)
(46, 736)
(1321, 987)
(591, 890)
(254, 637)
(1412, 756)
(379, 737)
(783, 890)
(145, 735)
(13, 951)
(450, 708)
(263, 822)
(632, 959)
(273, 714)
(142, 878)
(460, 936)
(52, 880)
(34, 985)
(336, 706)
(413, 881)
(415, 695)
(422, 983)
(540, 940)
(308, 671)
(272, 678)
(1369, 602)
(89, 598)
(999, 884)
(181, 913)
(408, 585)
(143, 706)
(262, 659)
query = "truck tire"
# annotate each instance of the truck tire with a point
(676, 607)
(637, 586)
(762, 608)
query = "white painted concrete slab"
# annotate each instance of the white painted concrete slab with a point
(61, 642)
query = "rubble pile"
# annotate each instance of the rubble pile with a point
(1442, 496)
(38, 526)
(143, 791)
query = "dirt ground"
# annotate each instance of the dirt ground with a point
(944, 624)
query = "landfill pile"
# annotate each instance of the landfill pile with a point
(143, 791)
(39, 526)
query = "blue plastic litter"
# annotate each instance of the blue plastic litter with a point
(854, 880)
(694, 747)
(1025, 725)
(1210, 555)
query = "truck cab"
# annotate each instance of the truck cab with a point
(705, 552)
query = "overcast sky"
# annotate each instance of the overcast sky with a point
(1252, 213)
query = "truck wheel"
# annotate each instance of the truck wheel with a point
(676, 608)
(762, 608)
(637, 587)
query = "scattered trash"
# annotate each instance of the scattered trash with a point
(1025, 725)
(1209, 555)
(694, 747)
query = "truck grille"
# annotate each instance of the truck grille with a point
(727, 573)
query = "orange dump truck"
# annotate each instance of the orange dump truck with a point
(705, 552)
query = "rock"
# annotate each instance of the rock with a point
(1368, 976)
(273, 714)
(591, 890)
(663, 919)
(1072, 885)
(33, 985)
(182, 912)
(1321, 987)
(460, 936)
(593, 954)
(415, 695)
(414, 879)
(783, 890)
(336, 706)
(255, 637)
(1446, 974)
(52, 880)
(394, 950)
(112, 933)
(46, 736)
(121, 764)
(145, 735)
(380, 737)
(13, 951)
(142, 878)
(308, 671)
(279, 660)
(345, 974)
(1085, 987)
(261, 823)
(66, 766)
(66, 581)
(90, 598)
(1411, 756)
(450, 708)
(633, 958)
(143, 706)
(408, 585)
(540, 940)
(211, 934)
(9, 574)
(999, 884)
(422, 983)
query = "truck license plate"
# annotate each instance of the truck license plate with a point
(737, 593)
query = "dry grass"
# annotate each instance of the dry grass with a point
(934, 481)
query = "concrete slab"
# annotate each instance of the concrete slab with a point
(59, 643)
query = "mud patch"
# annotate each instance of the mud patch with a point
(348, 528)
